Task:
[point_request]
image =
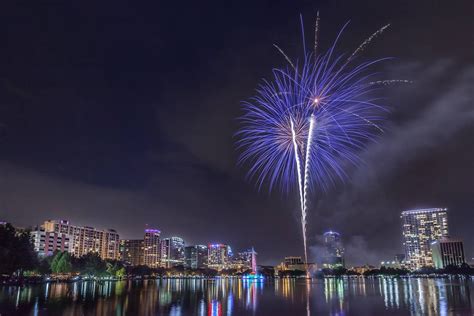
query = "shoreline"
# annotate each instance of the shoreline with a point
(99, 280)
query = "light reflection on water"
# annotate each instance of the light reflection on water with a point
(330, 296)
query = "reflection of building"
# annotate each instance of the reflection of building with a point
(420, 228)
(151, 248)
(195, 257)
(132, 251)
(447, 251)
(172, 252)
(333, 251)
(87, 239)
(45, 243)
(218, 256)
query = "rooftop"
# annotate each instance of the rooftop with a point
(424, 210)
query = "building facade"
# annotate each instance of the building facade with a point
(195, 257)
(151, 248)
(132, 251)
(46, 243)
(421, 227)
(333, 256)
(447, 252)
(106, 243)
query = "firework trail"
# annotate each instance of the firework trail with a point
(316, 35)
(305, 187)
(367, 41)
(389, 82)
(312, 119)
(284, 55)
(298, 163)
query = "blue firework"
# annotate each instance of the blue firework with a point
(330, 90)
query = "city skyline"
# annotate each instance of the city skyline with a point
(421, 229)
(118, 124)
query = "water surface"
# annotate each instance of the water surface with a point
(221, 297)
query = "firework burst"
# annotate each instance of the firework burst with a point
(310, 120)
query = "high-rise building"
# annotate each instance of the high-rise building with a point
(151, 248)
(46, 243)
(195, 257)
(132, 251)
(245, 260)
(447, 251)
(333, 256)
(421, 227)
(172, 252)
(105, 243)
(218, 256)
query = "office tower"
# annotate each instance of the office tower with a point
(132, 251)
(218, 256)
(151, 248)
(46, 242)
(421, 227)
(333, 253)
(105, 243)
(195, 257)
(172, 252)
(447, 251)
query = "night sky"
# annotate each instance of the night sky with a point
(118, 115)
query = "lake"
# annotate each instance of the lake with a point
(330, 296)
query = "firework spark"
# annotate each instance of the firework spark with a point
(307, 123)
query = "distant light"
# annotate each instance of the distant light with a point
(148, 230)
(316, 100)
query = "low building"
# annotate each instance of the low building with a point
(291, 264)
(398, 262)
(296, 263)
(362, 269)
(447, 252)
